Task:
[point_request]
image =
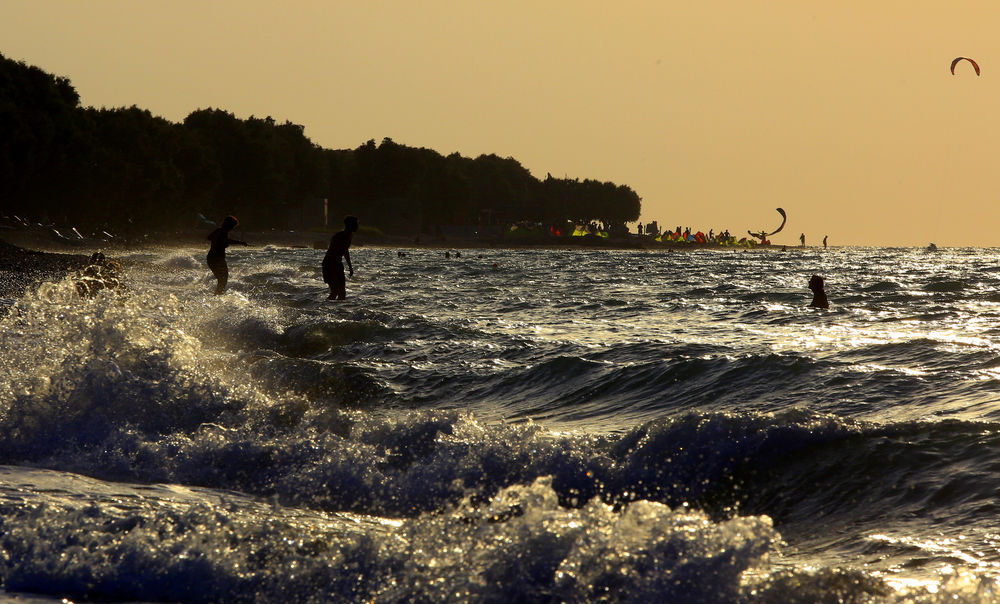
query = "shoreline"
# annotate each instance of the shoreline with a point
(30, 256)
(22, 269)
(42, 240)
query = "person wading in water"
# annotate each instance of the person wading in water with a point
(819, 293)
(217, 253)
(333, 268)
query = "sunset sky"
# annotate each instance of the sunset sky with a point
(843, 113)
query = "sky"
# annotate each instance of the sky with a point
(843, 113)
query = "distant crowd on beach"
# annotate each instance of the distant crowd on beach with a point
(725, 238)
(652, 230)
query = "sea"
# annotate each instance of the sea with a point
(507, 425)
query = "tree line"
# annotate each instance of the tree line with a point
(128, 171)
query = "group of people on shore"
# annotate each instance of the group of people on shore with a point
(686, 235)
(333, 262)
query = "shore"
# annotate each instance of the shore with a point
(29, 256)
(42, 238)
(22, 268)
(364, 237)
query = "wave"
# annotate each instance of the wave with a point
(521, 545)
(940, 285)
(207, 546)
(539, 538)
(477, 413)
(882, 286)
(796, 463)
(179, 260)
(610, 386)
(124, 398)
(127, 400)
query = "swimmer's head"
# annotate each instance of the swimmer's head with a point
(351, 223)
(816, 283)
(229, 222)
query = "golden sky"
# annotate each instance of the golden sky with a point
(843, 113)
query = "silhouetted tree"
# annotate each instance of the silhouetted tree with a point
(125, 169)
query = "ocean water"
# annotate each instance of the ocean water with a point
(508, 425)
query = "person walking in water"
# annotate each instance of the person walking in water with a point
(824, 241)
(217, 253)
(819, 294)
(333, 268)
(802, 239)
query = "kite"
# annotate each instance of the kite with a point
(764, 234)
(955, 62)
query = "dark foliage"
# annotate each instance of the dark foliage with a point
(128, 171)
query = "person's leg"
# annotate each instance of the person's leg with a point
(223, 278)
(338, 287)
(221, 272)
(328, 277)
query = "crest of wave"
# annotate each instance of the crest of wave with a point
(524, 546)
(71, 361)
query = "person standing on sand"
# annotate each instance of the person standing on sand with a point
(333, 268)
(217, 252)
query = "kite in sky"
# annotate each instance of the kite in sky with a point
(955, 62)
(764, 234)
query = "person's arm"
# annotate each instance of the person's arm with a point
(347, 257)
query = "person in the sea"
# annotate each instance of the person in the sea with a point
(824, 241)
(802, 239)
(217, 252)
(819, 294)
(333, 268)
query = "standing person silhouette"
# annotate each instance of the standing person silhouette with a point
(333, 268)
(802, 239)
(824, 241)
(217, 253)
